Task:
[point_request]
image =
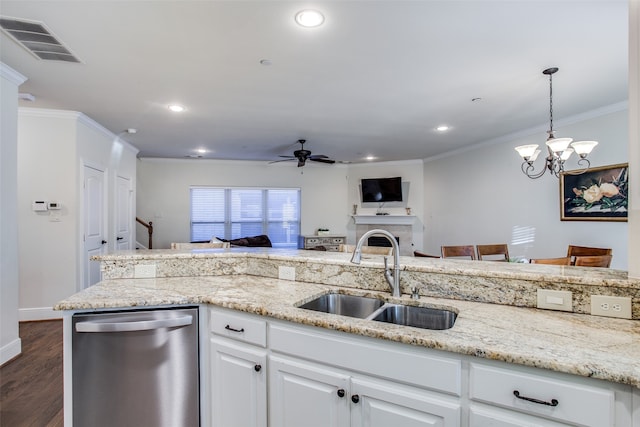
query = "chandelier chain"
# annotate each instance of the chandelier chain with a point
(550, 106)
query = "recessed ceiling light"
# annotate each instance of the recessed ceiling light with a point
(442, 128)
(201, 150)
(176, 108)
(370, 158)
(309, 18)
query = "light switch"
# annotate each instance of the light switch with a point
(555, 300)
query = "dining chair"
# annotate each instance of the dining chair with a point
(423, 255)
(499, 252)
(593, 261)
(574, 251)
(458, 251)
(552, 261)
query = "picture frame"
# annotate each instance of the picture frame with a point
(599, 194)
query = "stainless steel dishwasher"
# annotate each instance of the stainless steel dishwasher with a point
(136, 368)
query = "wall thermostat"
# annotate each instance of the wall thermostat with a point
(54, 206)
(39, 206)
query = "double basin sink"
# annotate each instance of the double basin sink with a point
(380, 311)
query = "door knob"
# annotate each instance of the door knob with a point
(257, 368)
(341, 392)
(355, 398)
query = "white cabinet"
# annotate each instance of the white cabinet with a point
(318, 377)
(238, 371)
(307, 394)
(301, 394)
(378, 403)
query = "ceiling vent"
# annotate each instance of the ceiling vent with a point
(37, 39)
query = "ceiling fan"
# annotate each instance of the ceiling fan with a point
(303, 155)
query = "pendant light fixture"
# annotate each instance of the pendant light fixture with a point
(558, 149)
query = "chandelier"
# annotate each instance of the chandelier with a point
(558, 149)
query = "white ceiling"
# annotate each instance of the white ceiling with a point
(375, 79)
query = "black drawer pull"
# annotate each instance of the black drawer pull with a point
(554, 402)
(355, 398)
(341, 392)
(257, 368)
(229, 328)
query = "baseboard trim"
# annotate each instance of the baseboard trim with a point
(11, 350)
(39, 313)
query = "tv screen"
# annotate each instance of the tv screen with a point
(379, 190)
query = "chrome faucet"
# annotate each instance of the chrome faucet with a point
(393, 278)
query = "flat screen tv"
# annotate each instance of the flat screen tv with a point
(380, 190)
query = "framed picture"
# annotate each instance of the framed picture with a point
(600, 194)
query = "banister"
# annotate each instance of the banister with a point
(149, 227)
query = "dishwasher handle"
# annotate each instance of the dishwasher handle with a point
(142, 325)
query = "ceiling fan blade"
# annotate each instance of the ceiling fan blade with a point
(283, 160)
(329, 161)
(289, 157)
(318, 156)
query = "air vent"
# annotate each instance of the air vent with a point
(37, 39)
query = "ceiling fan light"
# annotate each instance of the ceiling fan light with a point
(558, 145)
(583, 148)
(566, 154)
(526, 151)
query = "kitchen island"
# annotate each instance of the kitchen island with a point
(494, 304)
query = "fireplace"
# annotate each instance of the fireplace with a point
(381, 241)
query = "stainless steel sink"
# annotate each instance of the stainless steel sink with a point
(418, 317)
(345, 305)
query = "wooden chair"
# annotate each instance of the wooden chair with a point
(423, 255)
(498, 252)
(458, 251)
(552, 261)
(574, 251)
(593, 261)
(187, 246)
(376, 250)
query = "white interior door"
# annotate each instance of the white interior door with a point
(94, 223)
(124, 213)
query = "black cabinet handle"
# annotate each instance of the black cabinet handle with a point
(104, 242)
(554, 402)
(119, 238)
(355, 398)
(341, 392)
(257, 368)
(229, 328)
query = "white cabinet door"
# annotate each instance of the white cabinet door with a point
(238, 385)
(303, 394)
(377, 403)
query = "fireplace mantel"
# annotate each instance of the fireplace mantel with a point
(384, 219)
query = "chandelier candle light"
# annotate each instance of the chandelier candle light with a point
(559, 149)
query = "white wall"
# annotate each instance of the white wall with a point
(10, 343)
(480, 196)
(52, 147)
(634, 136)
(163, 192)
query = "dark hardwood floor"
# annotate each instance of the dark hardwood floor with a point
(31, 386)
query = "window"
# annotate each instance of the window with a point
(231, 213)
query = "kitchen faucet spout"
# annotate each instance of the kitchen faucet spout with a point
(392, 278)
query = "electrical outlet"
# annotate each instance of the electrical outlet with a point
(286, 273)
(602, 305)
(555, 300)
(144, 271)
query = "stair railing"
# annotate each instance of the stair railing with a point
(149, 227)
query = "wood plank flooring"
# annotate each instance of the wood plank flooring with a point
(31, 385)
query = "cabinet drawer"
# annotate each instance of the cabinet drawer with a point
(337, 240)
(239, 327)
(576, 403)
(312, 241)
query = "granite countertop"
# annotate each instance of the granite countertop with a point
(591, 346)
